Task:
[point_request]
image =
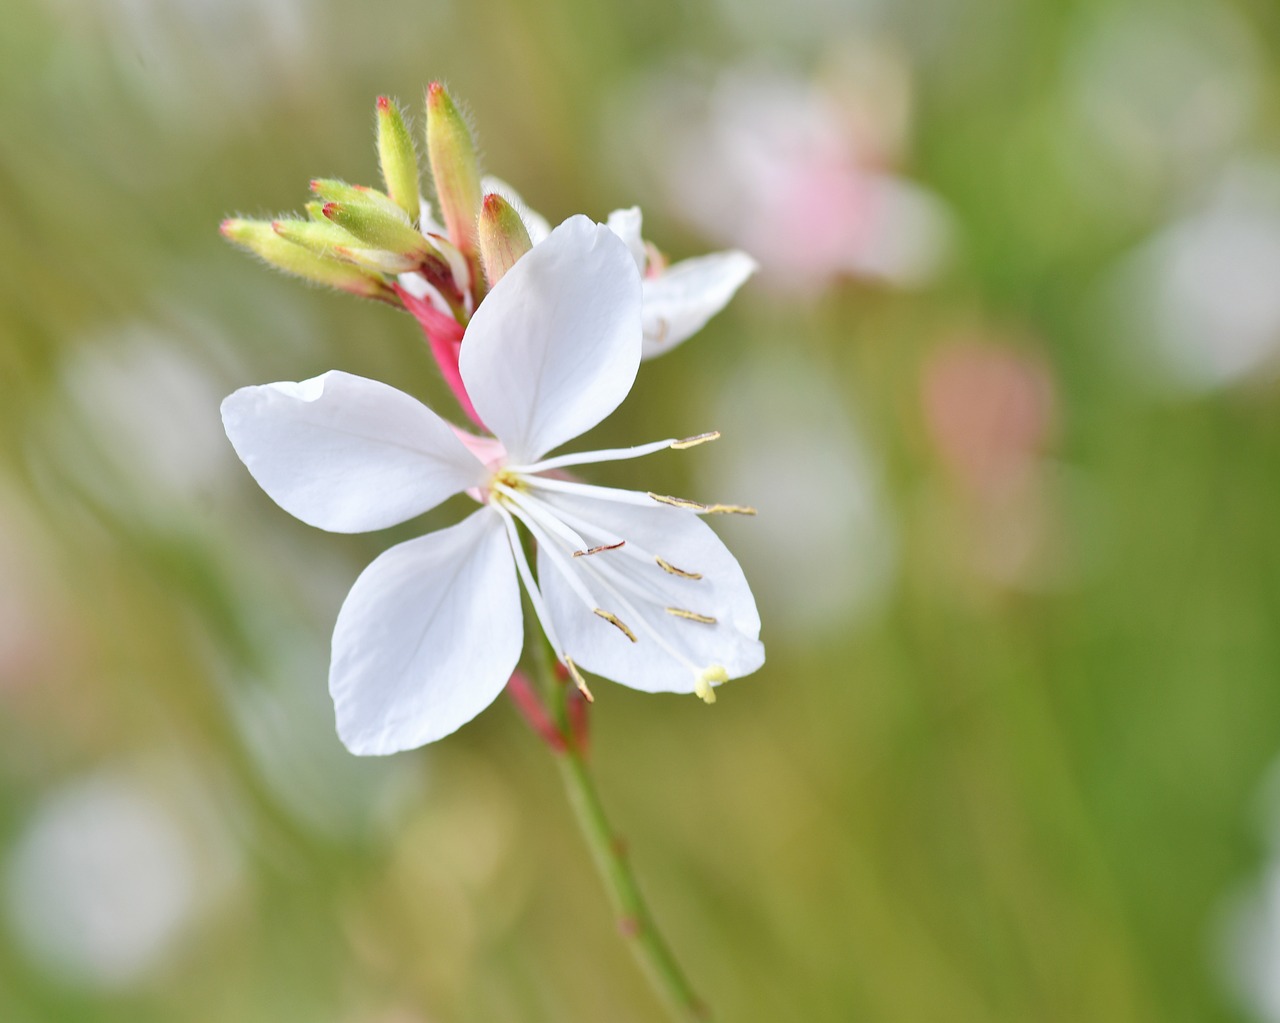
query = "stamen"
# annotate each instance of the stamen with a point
(597, 550)
(578, 680)
(666, 566)
(693, 442)
(526, 576)
(692, 616)
(614, 620)
(700, 508)
(590, 457)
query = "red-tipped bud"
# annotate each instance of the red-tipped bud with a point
(266, 239)
(503, 237)
(397, 158)
(454, 168)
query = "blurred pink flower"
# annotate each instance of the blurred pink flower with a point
(779, 167)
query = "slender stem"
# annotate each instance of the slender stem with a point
(608, 851)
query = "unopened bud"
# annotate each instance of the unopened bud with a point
(326, 238)
(454, 168)
(320, 236)
(375, 227)
(503, 237)
(333, 190)
(261, 238)
(398, 159)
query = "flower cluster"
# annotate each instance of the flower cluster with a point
(540, 334)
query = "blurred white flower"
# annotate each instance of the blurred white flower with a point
(103, 881)
(775, 165)
(829, 562)
(678, 299)
(1199, 303)
(632, 586)
(1252, 951)
(135, 426)
(1248, 926)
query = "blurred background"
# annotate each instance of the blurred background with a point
(1004, 392)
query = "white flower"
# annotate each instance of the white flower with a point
(678, 300)
(629, 585)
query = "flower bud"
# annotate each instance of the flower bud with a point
(503, 237)
(333, 190)
(454, 168)
(397, 158)
(320, 236)
(374, 226)
(261, 238)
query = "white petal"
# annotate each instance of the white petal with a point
(679, 301)
(345, 453)
(535, 223)
(427, 223)
(554, 348)
(669, 663)
(427, 637)
(626, 224)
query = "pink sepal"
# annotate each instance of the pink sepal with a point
(444, 338)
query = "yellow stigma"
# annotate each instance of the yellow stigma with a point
(707, 677)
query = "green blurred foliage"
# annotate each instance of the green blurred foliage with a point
(973, 800)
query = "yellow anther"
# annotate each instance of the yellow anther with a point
(666, 566)
(597, 550)
(708, 677)
(692, 616)
(614, 620)
(700, 508)
(678, 502)
(578, 680)
(693, 442)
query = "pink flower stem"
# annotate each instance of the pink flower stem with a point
(444, 338)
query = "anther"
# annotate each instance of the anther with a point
(700, 508)
(693, 442)
(666, 566)
(692, 616)
(578, 680)
(615, 621)
(597, 550)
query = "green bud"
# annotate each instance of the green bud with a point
(454, 168)
(376, 228)
(333, 190)
(375, 259)
(398, 160)
(503, 237)
(321, 236)
(261, 238)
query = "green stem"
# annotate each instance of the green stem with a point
(608, 852)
